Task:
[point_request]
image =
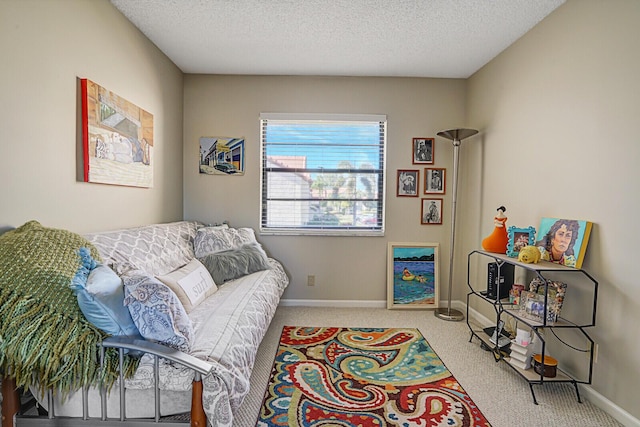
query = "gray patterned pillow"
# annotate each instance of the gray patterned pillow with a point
(210, 240)
(157, 311)
(235, 263)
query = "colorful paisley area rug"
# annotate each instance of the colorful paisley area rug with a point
(363, 377)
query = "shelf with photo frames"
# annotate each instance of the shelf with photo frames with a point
(540, 307)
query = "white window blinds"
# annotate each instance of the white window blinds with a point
(322, 174)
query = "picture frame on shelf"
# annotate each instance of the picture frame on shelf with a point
(407, 182)
(423, 151)
(413, 275)
(556, 292)
(563, 241)
(431, 211)
(435, 180)
(519, 238)
(531, 306)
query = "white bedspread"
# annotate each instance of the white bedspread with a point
(229, 327)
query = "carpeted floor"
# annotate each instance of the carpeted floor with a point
(502, 396)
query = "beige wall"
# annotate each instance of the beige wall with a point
(46, 46)
(558, 111)
(345, 268)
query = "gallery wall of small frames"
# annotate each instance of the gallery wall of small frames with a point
(428, 181)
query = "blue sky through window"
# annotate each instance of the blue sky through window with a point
(325, 145)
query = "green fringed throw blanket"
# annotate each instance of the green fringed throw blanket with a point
(44, 337)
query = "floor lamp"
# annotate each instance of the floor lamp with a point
(455, 135)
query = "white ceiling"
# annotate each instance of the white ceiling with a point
(409, 38)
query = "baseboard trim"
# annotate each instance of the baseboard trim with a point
(332, 303)
(285, 302)
(622, 416)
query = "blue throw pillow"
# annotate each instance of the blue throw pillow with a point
(100, 295)
(157, 311)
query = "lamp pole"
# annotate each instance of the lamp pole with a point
(455, 135)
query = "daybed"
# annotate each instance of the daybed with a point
(224, 327)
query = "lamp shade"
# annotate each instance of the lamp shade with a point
(457, 134)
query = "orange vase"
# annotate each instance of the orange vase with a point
(497, 241)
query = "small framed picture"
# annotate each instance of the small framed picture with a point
(519, 238)
(434, 180)
(407, 183)
(431, 211)
(423, 151)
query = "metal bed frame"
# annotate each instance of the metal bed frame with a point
(12, 415)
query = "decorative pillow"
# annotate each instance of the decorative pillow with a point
(192, 284)
(235, 263)
(157, 311)
(101, 299)
(210, 240)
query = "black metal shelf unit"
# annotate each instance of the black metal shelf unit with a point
(546, 272)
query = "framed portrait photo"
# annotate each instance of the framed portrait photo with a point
(412, 275)
(434, 180)
(563, 241)
(423, 151)
(519, 238)
(431, 212)
(407, 183)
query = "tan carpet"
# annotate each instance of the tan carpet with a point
(502, 396)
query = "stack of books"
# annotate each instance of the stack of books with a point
(520, 356)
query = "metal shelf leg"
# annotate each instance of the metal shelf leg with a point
(533, 394)
(575, 384)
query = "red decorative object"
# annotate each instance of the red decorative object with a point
(497, 241)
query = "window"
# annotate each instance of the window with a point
(322, 174)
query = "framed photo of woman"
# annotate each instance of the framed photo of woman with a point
(434, 180)
(407, 183)
(563, 241)
(423, 151)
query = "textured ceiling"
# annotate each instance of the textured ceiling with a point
(412, 38)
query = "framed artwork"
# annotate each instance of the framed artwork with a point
(519, 238)
(434, 180)
(407, 183)
(563, 241)
(221, 156)
(423, 151)
(117, 138)
(431, 212)
(412, 275)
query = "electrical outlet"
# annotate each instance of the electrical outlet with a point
(595, 353)
(311, 280)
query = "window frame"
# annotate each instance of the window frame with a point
(354, 230)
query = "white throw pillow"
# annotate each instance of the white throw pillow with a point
(192, 284)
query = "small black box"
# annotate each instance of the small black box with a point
(502, 280)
